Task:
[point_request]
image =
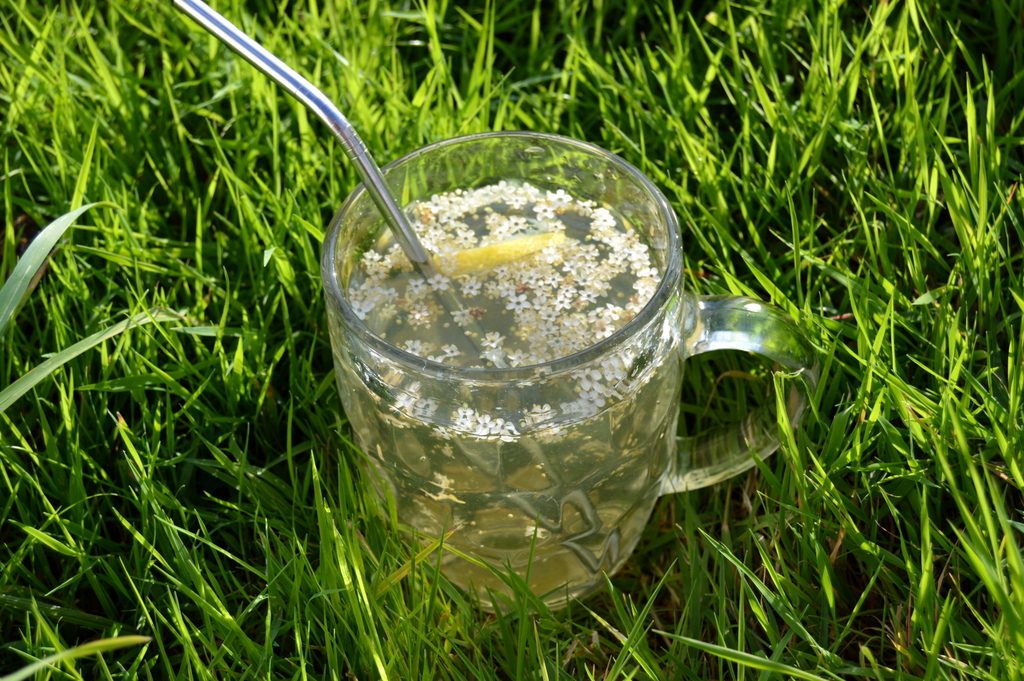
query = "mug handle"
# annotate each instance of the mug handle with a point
(733, 323)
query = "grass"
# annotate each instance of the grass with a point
(192, 480)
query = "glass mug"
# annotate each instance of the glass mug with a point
(559, 483)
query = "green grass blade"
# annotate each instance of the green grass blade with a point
(84, 650)
(857, 164)
(28, 381)
(35, 256)
(744, 659)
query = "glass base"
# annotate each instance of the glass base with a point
(555, 576)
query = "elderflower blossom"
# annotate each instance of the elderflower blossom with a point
(495, 356)
(439, 282)
(492, 339)
(525, 310)
(518, 303)
(464, 418)
(416, 347)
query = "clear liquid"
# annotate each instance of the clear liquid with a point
(555, 490)
(557, 506)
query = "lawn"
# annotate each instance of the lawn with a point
(175, 463)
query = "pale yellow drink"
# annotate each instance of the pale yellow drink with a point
(555, 492)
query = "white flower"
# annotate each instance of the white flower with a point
(416, 347)
(580, 407)
(561, 299)
(616, 257)
(485, 425)
(517, 223)
(508, 431)
(518, 302)
(589, 379)
(516, 358)
(404, 401)
(602, 218)
(546, 312)
(464, 418)
(529, 276)
(500, 283)
(573, 324)
(560, 198)
(613, 369)
(488, 426)
(493, 355)
(425, 408)
(419, 315)
(371, 257)
(415, 288)
(610, 313)
(647, 272)
(645, 288)
(538, 414)
(464, 237)
(546, 329)
(516, 201)
(410, 401)
(593, 399)
(639, 258)
(492, 339)
(439, 282)
(362, 308)
(544, 211)
(518, 197)
(497, 224)
(552, 255)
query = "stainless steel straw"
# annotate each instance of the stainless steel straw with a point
(317, 101)
(308, 94)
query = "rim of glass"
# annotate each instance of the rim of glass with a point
(666, 285)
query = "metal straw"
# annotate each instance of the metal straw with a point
(317, 101)
(308, 94)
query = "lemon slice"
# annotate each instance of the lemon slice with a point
(486, 258)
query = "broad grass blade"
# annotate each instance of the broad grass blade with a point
(742, 658)
(35, 255)
(21, 386)
(91, 648)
